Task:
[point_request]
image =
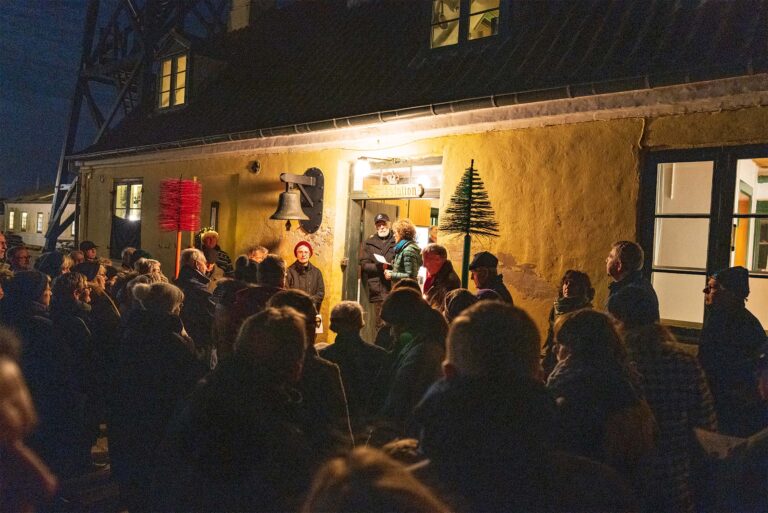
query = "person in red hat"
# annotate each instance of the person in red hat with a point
(304, 276)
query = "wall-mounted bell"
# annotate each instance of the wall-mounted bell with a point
(289, 207)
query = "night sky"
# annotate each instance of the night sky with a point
(39, 53)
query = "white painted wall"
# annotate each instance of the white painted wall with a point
(30, 236)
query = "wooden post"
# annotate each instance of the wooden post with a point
(178, 253)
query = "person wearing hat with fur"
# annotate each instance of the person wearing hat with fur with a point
(484, 270)
(302, 275)
(731, 349)
(380, 243)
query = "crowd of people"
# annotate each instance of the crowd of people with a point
(215, 395)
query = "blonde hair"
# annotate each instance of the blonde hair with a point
(369, 480)
(209, 234)
(405, 228)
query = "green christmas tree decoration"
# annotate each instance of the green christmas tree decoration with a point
(470, 214)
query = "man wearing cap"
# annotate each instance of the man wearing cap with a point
(732, 352)
(485, 274)
(381, 243)
(89, 251)
(302, 275)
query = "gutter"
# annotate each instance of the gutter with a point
(643, 82)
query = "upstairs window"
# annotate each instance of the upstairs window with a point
(173, 82)
(24, 221)
(11, 220)
(455, 20)
(39, 224)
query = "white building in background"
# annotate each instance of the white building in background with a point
(28, 216)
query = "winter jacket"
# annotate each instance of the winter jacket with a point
(443, 282)
(497, 285)
(372, 270)
(731, 345)
(407, 262)
(363, 367)
(156, 368)
(197, 312)
(633, 280)
(563, 305)
(309, 279)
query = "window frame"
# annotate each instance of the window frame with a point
(721, 215)
(39, 222)
(128, 182)
(24, 225)
(464, 20)
(11, 219)
(172, 105)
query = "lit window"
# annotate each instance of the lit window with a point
(445, 22)
(709, 211)
(449, 20)
(23, 221)
(39, 224)
(483, 18)
(11, 219)
(72, 229)
(173, 82)
(128, 201)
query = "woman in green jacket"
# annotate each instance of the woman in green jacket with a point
(407, 252)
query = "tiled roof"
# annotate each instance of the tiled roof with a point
(310, 63)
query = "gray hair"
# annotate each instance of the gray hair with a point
(162, 297)
(347, 316)
(191, 255)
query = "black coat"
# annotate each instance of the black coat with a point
(372, 270)
(309, 279)
(197, 312)
(156, 368)
(363, 368)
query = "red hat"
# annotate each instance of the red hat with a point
(303, 243)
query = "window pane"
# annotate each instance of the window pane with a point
(23, 221)
(476, 6)
(166, 84)
(684, 188)
(178, 98)
(757, 302)
(484, 25)
(181, 80)
(751, 185)
(121, 212)
(39, 226)
(165, 100)
(680, 296)
(11, 219)
(166, 67)
(134, 214)
(121, 196)
(445, 34)
(681, 243)
(181, 63)
(136, 195)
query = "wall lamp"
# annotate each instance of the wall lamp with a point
(302, 200)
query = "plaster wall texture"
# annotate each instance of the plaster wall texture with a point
(562, 194)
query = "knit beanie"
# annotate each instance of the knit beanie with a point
(735, 280)
(303, 243)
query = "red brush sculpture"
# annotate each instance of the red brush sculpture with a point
(179, 209)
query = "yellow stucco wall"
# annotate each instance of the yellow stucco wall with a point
(562, 195)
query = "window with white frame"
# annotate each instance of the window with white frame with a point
(39, 223)
(11, 220)
(173, 82)
(24, 221)
(128, 200)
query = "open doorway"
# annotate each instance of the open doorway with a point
(401, 189)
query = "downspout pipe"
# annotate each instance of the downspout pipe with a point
(643, 82)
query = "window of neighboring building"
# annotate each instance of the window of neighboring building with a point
(39, 223)
(705, 210)
(173, 82)
(453, 20)
(23, 221)
(11, 220)
(128, 200)
(72, 229)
